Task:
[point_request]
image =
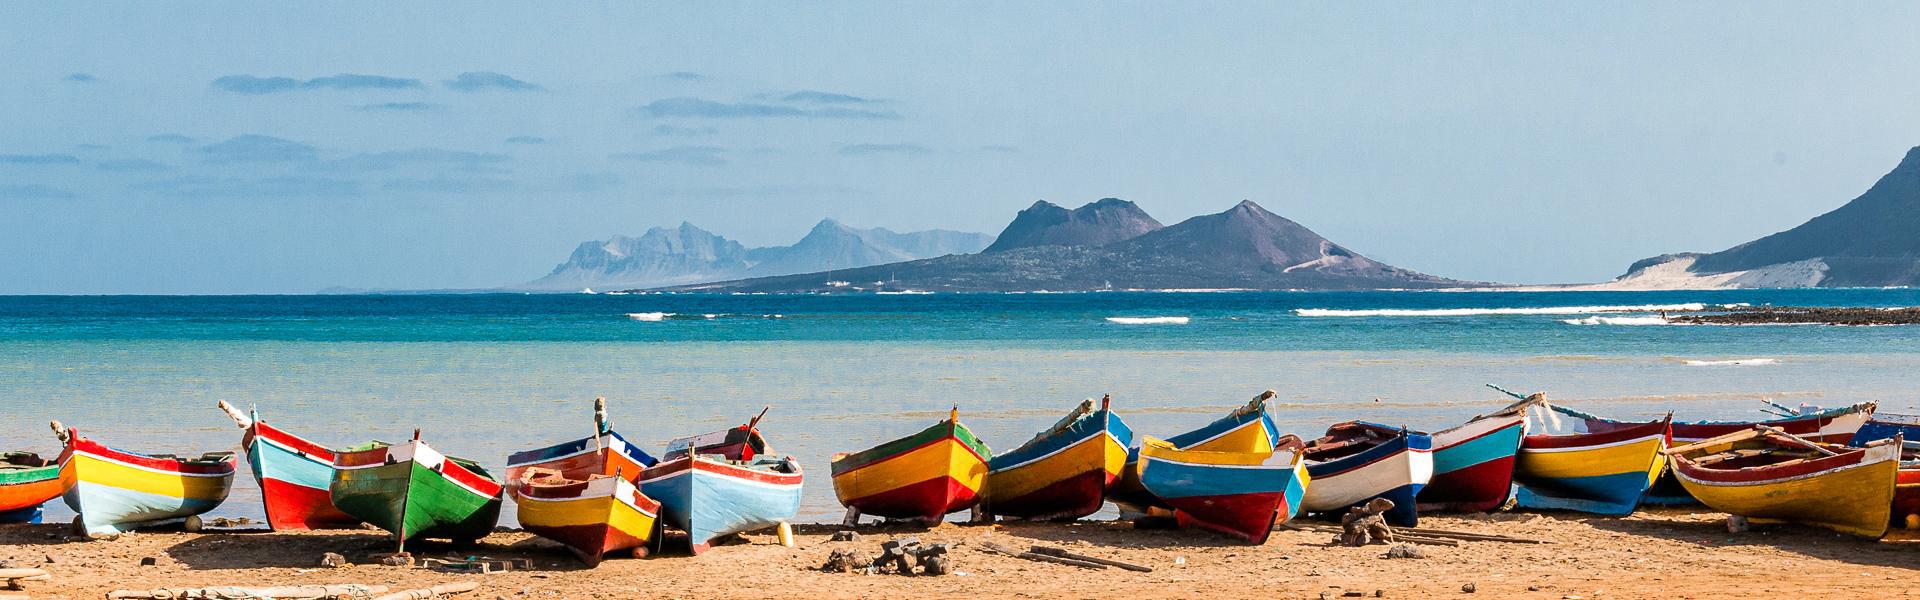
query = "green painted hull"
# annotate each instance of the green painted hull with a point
(411, 501)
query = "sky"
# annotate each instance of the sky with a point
(206, 148)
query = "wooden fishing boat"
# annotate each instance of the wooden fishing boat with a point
(27, 481)
(1249, 428)
(1832, 426)
(1906, 489)
(1473, 462)
(1065, 471)
(114, 491)
(1358, 461)
(1243, 494)
(603, 453)
(926, 476)
(592, 517)
(723, 483)
(1883, 426)
(413, 491)
(294, 475)
(1572, 460)
(1768, 475)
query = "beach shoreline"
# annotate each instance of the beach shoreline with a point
(1660, 553)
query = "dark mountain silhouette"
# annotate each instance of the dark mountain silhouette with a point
(1097, 224)
(1246, 247)
(1871, 241)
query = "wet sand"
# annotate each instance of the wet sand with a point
(1658, 554)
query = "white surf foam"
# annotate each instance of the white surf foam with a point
(1738, 362)
(649, 316)
(1638, 320)
(1470, 312)
(1148, 320)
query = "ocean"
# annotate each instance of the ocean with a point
(486, 375)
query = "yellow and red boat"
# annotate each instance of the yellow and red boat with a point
(925, 476)
(1065, 471)
(1248, 428)
(594, 517)
(1768, 475)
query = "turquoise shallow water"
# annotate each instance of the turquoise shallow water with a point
(488, 375)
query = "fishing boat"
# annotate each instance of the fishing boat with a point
(1831, 426)
(1883, 426)
(1243, 494)
(1769, 475)
(603, 453)
(1473, 462)
(1249, 428)
(1358, 461)
(1065, 471)
(1571, 460)
(723, 483)
(592, 517)
(925, 476)
(114, 491)
(27, 481)
(413, 491)
(294, 475)
(1906, 489)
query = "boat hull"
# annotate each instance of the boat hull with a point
(1242, 494)
(412, 491)
(1244, 430)
(591, 518)
(114, 491)
(23, 491)
(1831, 426)
(608, 454)
(1064, 474)
(708, 499)
(1604, 473)
(1473, 465)
(294, 477)
(1851, 493)
(1906, 496)
(1395, 470)
(928, 475)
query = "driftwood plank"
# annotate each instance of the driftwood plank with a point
(1062, 553)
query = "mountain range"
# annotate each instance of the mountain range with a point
(687, 254)
(1113, 244)
(1871, 241)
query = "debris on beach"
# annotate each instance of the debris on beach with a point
(904, 556)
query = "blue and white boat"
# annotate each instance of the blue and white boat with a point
(1358, 461)
(1249, 428)
(723, 483)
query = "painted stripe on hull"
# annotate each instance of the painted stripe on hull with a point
(112, 497)
(1474, 474)
(411, 501)
(1611, 495)
(925, 482)
(707, 500)
(1237, 493)
(1398, 475)
(591, 526)
(930, 500)
(294, 488)
(23, 490)
(1608, 479)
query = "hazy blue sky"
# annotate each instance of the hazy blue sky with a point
(209, 148)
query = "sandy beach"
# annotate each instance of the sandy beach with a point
(1655, 554)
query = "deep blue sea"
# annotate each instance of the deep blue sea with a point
(485, 375)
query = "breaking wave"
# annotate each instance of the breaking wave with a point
(1148, 320)
(1638, 320)
(1738, 362)
(649, 316)
(1470, 312)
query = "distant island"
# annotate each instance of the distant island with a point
(1112, 244)
(687, 254)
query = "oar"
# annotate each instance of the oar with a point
(1800, 440)
(1506, 391)
(756, 418)
(1790, 412)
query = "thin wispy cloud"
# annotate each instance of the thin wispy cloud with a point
(130, 165)
(481, 81)
(39, 159)
(381, 161)
(526, 140)
(448, 185)
(254, 86)
(170, 138)
(257, 148)
(33, 191)
(263, 188)
(399, 107)
(80, 78)
(882, 149)
(816, 97)
(698, 108)
(705, 156)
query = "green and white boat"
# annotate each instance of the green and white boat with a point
(413, 491)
